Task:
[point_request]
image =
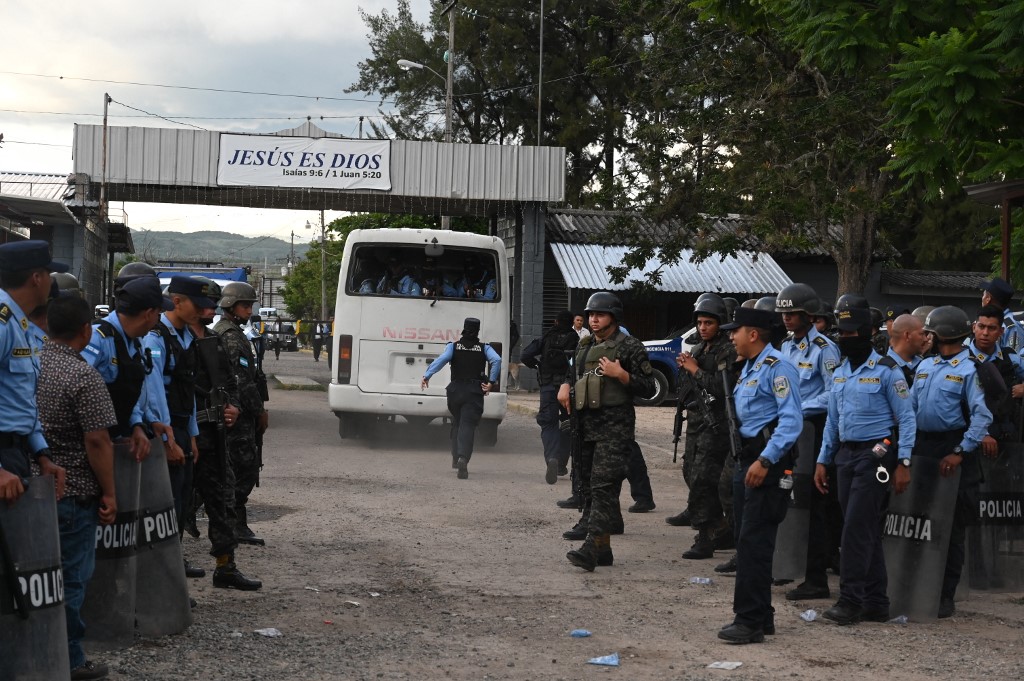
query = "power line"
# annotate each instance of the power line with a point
(190, 87)
(198, 118)
(128, 106)
(37, 144)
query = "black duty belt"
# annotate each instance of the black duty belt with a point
(940, 434)
(13, 441)
(865, 444)
(85, 500)
(211, 415)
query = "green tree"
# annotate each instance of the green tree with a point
(589, 65)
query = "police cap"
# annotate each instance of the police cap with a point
(894, 311)
(197, 291)
(757, 319)
(471, 326)
(141, 293)
(999, 288)
(18, 256)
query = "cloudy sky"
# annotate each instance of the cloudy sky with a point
(308, 47)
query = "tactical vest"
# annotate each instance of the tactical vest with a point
(181, 391)
(468, 361)
(553, 362)
(212, 372)
(131, 375)
(594, 390)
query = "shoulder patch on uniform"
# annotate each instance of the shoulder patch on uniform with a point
(820, 342)
(5, 313)
(781, 387)
(830, 365)
(771, 360)
(902, 389)
(954, 378)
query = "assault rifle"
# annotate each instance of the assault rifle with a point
(730, 412)
(692, 396)
(575, 434)
(209, 353)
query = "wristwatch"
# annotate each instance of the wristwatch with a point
(905, 462)
(765, 462)
(958, 450)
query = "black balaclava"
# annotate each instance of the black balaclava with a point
(471, 329)
(856, 348)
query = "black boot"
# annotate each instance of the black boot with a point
(243, 532)
(578, 531)
(727, 567)
(680, 520)
(463, 467)
(596, 550)
(230, 577)
(702, 547)
(571, 502)
(194, 571)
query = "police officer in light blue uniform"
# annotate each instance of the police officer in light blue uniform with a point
(397, 282)
(815, 357)
(770, 421)
(867, 403)
(999, 292)
(945, 387)
(116, 353)
(477, 282)
(25, 284)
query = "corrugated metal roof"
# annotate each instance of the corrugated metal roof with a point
(582, 226)
(585, 266)
(43, 186)
(966, 281)
(180, 166)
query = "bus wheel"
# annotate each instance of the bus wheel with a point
(487, 432)
(349, 425)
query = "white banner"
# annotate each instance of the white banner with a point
(304, 162)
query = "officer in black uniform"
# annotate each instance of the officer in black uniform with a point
(469, 385)
(217, 409)
(553, 364)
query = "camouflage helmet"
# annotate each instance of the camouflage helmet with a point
(603, 301)
(948, 323)
(766, 303)
(711, 305)
(236, 292)
(798, 298)
(67, 284)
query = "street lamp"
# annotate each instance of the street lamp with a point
(407, 65)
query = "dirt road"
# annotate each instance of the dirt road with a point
(467, 579)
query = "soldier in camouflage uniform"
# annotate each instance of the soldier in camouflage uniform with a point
(217, 411)
(610, 369)
(236, 302)
(707, 441)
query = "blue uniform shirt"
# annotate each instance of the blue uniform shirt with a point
(1000, 353)
(449, 351)
(815, 358)
(766, 392)
(19, 372)
(865, 404)
(102, 355)
(900, 362)
(941, 388)
(156, 382)
(1013, 332)
(485, 289)
(406, 286)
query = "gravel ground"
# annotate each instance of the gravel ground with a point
(380, 564)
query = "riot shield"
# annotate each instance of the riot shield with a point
(33, 628)
(109, 608)
(915, 540)
(996, 555)
(161, 599)
(790, 559)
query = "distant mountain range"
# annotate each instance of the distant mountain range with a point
(213, 246)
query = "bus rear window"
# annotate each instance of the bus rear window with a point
(407, 271)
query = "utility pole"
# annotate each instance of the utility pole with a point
(103, 205)
(323, 271)
(446, 221)
(540, 70)
(360, 127)
(291, 258)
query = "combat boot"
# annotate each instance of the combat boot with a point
(679, 520)
(596, 550)
(723, 537)
(463, 467)
(702, 547)
(244, 533)
(230, 577)
(578, 531)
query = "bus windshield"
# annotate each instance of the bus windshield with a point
(407, 271)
